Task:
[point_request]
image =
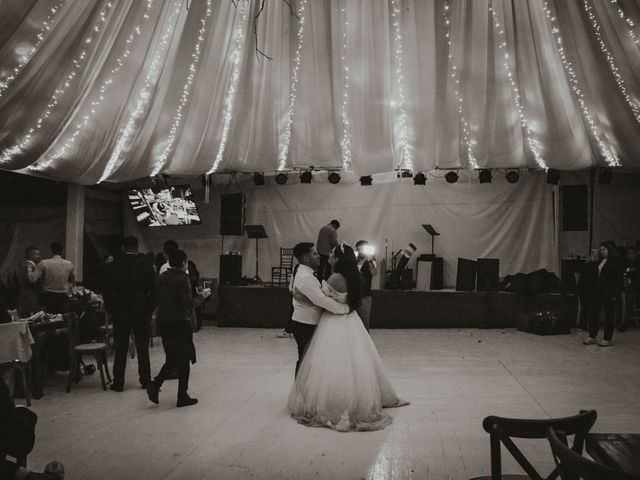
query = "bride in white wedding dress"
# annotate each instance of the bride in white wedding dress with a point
(341, 383)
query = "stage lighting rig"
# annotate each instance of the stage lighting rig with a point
(366, 181)
(334, 177)
(485, 175)
(420, 179)
(513, 176)
(306, 176)
(281, 178)
(451, 177)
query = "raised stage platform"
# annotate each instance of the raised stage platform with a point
(269, 307)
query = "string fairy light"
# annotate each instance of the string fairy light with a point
(631, 26)
(345, 142)
(79, 60)
(285, 139)
(606, 150)
(46, 160)
(466, 131)
(502, 43)
(25, 57)
(615, 71)
(232, 88)
(186, 93)
(144, 95)
(406, 161)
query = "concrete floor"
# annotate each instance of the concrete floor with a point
(240, 429)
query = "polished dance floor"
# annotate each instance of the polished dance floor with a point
(240, 429)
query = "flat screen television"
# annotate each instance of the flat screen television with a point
(162, 207)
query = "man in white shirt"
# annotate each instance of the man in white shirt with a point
(308, 299)
(58, 276)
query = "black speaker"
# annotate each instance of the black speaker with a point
(232, 210)
(466, 275)
(488, 274)
(406, 279)
(230, 269)
(575, 208)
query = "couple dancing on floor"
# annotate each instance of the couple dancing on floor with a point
(340, 379)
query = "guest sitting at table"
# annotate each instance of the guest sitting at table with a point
(57, 279)
(17, 438)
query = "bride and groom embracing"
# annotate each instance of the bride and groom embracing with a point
(340, 379)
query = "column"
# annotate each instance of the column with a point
(75, 227)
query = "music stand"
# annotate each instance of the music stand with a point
(431, 231)
(257, 232)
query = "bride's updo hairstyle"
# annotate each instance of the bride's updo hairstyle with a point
(347, 265)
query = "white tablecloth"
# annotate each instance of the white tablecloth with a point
(15, 342)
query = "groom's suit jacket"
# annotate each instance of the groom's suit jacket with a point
(305, 283)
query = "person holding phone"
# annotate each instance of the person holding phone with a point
(368, 269)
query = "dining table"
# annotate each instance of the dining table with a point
(620, 451)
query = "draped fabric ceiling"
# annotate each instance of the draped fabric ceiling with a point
(114, 90)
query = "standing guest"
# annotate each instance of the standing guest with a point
(327, 241)
(368, 269)
(159, 261)
(58, 277)
(631, 291)
(29, 283)
(608, 288)
(194, 276)
(175, 309)
(128, 297)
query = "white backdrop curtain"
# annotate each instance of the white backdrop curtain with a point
(512, 222)
(119, 89)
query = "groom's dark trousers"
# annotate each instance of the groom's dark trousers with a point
(302, 332)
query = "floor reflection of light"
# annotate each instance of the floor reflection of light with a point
(392, 461)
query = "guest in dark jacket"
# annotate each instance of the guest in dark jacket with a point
(128, 296)
(608, 287)
(174, 319)
(17, 438)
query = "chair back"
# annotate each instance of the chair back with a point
(71, 321)
(573, 466)
(286, 258)
(501, 431)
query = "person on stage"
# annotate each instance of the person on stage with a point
(368, 269)
(309, 302)
(327, 241)
(174, 318)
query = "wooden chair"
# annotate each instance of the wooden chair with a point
(280, 274)
(502, 430)
(97, 349)
(573, 466)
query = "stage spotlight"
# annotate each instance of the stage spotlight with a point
(451, 177)
(553, 176)
(281, 178)
(420, 179)
(605, 176)
(258, 178)
(485, 175)
(513, 176)
(366, 181)
(306, 176)
(334, 177)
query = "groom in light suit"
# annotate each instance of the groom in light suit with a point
(308, 299)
